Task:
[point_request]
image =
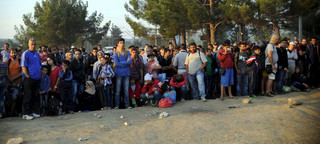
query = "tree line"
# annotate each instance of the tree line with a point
(221, 19)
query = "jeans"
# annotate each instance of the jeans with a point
(156, 96)
(280, 75)
(31, 100)
(124, 82)
(108, 96)
(242, 84)
(209, 88)
(197, 84)
(78, 87)
(2, 108)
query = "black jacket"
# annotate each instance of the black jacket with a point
(77, 69)
(283, 58)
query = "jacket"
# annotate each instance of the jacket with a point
(226, 60)
(148, 88)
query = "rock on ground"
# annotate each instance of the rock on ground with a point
(15, 141)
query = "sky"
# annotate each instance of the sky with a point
(11, 12)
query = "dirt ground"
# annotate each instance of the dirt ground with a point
(266, 120)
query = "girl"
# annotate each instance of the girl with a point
(105, 77)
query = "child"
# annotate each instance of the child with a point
(253, 65)
(153, 66)
(106, 75)
(134, 92)
(65, 75)
(208, 74)
(299, 81)
(151, 90)
(44, 87)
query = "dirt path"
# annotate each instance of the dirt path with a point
(263, 121)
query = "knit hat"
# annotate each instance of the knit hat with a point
(92, 89)
(147, 77)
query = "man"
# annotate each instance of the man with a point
(14, 68)
(122, 59)
(195, 63)
(69, 56)
(165, 63)
(226, 59)
(56, 55)
(271, 59)
(90, 62)
(44, 53)
(242, 70)
(31, 65)
(136, 67)
(5, 52)
(99, 47)
(145, 57)
(179, 63)
(312, 55)
(77, 68)
(292, 58)
(282, 66)
(302, 61)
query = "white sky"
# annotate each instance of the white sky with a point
(11, 12)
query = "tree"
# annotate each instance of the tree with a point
(172, 17)
(61, 23)
(116, 34)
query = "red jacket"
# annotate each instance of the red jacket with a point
(148, 88)
(178, 84)
(226, 60)
(136, 93)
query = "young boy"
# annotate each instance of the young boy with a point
(153, 66)
(65, 75)
(44, 87)
(253, 65)
(151, 90)
(134, 92)
(208, 74)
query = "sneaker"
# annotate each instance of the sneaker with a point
(129, 107)
(116, 107)
(182, 100)
(34, 115)
(203, 99)
(71, 112)
(27, 117)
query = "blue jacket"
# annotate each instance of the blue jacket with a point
(44, 83)
(122, 65)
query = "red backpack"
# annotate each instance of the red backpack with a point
(165, 103)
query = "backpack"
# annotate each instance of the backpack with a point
(53, 106)
(165, 103)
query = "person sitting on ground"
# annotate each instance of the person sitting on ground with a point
(299, 81)
(134, 92)
(151, 90)
(88, 99)
(178, 81)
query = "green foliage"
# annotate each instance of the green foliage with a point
(61, 23)
(116, 34)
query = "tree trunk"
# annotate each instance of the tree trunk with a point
(212, 32)
(174, 42)
(276, 29)
(183, 35)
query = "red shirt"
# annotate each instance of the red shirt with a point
(54, 75)
(136, 93)
(226, 60)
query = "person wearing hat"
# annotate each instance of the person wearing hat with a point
(153, 66)
(151, 90)
(292, 57)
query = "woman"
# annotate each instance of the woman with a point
(54, 77)
(87, 100)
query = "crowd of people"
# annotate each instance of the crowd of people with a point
(53, 81)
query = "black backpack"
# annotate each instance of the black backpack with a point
(53, 106)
